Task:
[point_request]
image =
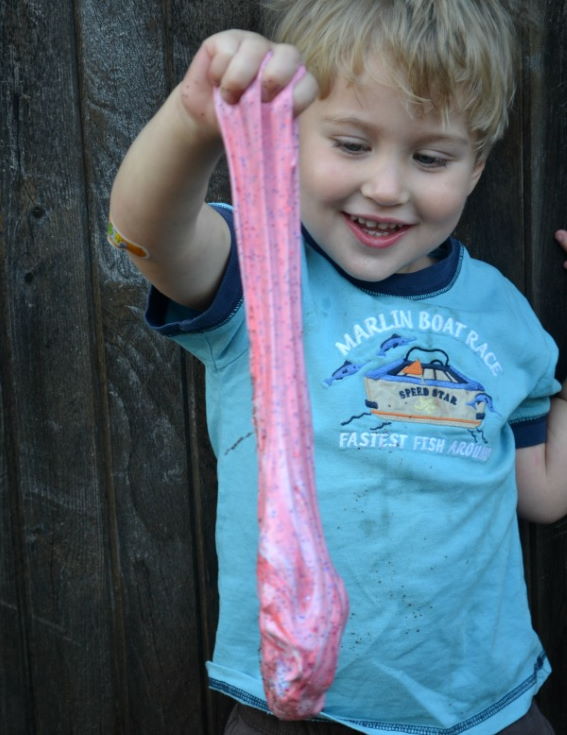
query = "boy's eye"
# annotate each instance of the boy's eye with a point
(428, 161)
(351, 146)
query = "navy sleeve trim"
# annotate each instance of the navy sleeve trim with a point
(172, 319)
(530, 432)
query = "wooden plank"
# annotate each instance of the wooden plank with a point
(64, 615)
(493, 220)
(546, 75)
(15, 691)
(125, 78)
(15, 694)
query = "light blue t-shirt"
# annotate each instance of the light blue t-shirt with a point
(422, 386)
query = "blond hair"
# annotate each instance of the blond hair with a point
(451, 53)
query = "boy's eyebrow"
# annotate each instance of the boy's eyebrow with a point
(349, 120)
(433, 135)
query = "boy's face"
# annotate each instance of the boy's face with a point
(381, 187)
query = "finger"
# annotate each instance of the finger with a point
(279, 70)
(305, 92)
(221, 48)
(196, 79)
(561, 237)
(243, 67)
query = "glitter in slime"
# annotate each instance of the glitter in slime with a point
(303, 602)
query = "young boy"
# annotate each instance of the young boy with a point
(430, 377)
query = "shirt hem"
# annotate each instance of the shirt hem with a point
(531, 684)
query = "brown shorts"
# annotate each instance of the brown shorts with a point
(248, 721)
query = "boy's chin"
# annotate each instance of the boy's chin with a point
(376, 275)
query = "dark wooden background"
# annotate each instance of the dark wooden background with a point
(107, 488)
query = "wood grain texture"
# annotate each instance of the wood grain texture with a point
(15, 677)
(108, 600)
(56, 515)
(161, 683)
(492, 225)
(545, 122)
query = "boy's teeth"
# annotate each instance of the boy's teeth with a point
(372, 225)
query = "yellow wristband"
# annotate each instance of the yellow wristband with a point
(120, 242)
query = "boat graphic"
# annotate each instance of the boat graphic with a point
(424, 387)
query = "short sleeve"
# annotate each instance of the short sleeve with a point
(529, 420)
(203, 333)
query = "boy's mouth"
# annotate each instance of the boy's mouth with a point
(374, 233)
(376, 228)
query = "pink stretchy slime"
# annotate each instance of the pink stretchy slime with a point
(303, 603)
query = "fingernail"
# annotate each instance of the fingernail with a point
(269, 91)
(229, 96)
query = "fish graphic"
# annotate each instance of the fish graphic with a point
(346, 369)
(482, 398)
(392, 342)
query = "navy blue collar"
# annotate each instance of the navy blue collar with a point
(436, 278)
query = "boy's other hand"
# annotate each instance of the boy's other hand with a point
(561, 237)
(231, 60)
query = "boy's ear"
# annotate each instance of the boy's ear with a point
(476, 173)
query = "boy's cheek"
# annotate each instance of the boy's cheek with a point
(445, 209)
(323, 177)
(447, 200)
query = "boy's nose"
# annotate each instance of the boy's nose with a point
(385, 185)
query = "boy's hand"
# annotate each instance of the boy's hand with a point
(561, 237)
(231, 60)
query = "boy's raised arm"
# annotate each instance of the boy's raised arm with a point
(541, 470)
(157, 200)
